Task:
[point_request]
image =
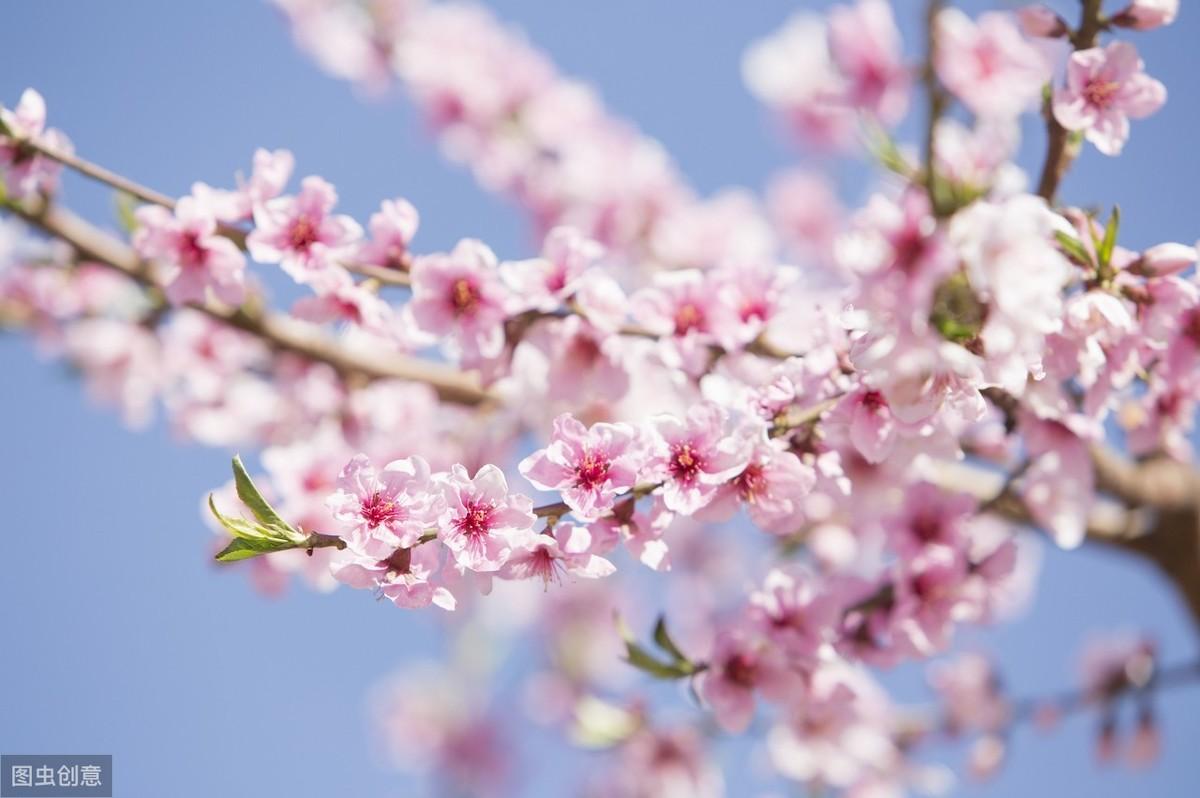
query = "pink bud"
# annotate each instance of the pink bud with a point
(986, 757)
(1039, 21)
(1107, 741)
(1146, 743)
(1164, 259)
(1147, 14)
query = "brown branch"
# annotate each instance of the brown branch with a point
(1060, 153)
(281, 332)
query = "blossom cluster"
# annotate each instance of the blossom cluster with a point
(666, 364)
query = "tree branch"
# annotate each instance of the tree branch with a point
(1059, 151)
(281, 332)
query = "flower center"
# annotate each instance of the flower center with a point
(378, 510)
(591, 471)
(685, 462)
(463, 297)
(1191, 327)
(1101, 93)
(191, 253)
(687, 318)
(475, 523)
(741, 669)
(926, 528)
(873, 401)
(303, 234)
(751, 483)
(756, 310)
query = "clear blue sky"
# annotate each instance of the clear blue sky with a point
(118, 637)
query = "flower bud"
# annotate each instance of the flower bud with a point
(1147, 14)
(986, 757)
(1146, 743)
(1164, 259)
(1041, 22)
(1107, 740)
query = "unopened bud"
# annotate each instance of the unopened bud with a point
(1040, 22)
(987, 755)
(1106, 740)
(1164, 259)
(1147, 14)
(1146, 743)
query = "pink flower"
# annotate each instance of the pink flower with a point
(865, 45)
(670, 763)
(1105, 87)
(1059, 485)
(300, 233)
(194, 256)
(989, 65)
(869, 423)
(121, 362)
(384, 509)
(568, 548)
(836, 732)
(791, 72)
(970, 694)
(641, 530)
(741, 664)
(772, 485)
(930, 517)
(929, 599)
(547, 282)
(685, 309)
(694, 456)
(1040, 21)
(25, 171)
(344, 299)
(1147, 14)
(404, 576)
(392, 229)
(795, 614)
(1114, 662)
(751, 297)
(483, 524)
(589, 466)
(460, 295)
(272, 170)
(805, 209)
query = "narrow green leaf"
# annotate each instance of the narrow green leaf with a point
(244, 549)
(1105, 251)
(126, 204)
(1073, 248)
(638, 657)
(664, 641)
(263, 511)
(239, 527)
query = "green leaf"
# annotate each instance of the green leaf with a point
(664, 641)
(263, 511)
(957, 313)
(1105, 251)
(240, 527)
(244, 549)
(637, 656)
(126, 204)
(1073, 248)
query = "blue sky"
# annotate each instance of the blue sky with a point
(118, 635)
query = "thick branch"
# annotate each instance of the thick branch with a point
(283, 333)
